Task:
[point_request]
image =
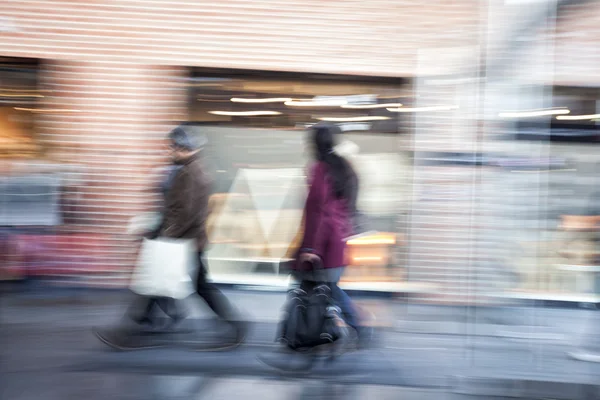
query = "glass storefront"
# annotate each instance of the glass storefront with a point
(550, 184)
(256, 126)
(537, 181)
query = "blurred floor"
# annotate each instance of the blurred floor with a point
(49, 352)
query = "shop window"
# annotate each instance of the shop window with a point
(18, 98)
(256, 124)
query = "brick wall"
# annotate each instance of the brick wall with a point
(110, 120)
(378, 37)
(105, 124)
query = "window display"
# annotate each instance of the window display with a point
(257, 150)
(18, 98)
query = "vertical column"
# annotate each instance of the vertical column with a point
(448, 212)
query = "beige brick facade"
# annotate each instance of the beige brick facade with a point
(112, 125)
(343, 36)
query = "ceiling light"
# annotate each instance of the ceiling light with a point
(316, 103)
(534, 113)
(370, 106)
(245, 113)
(422, 109)
(212, 100)
(269, 100)
(353, 119)
(578, 117)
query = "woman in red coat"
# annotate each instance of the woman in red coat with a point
(328, 213)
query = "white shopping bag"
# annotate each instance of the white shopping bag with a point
(163, 268)
(144, 222)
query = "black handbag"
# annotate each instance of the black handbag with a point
(311, 319)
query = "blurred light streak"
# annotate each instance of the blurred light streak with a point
(267, 100)
(245, 113)
(316, 103)
(422, 109)
(578, 117)
(536, 171)
(21, 95)
(353, 119)
(46, 110)
(370, 240)
(370, 106)
(534, 113)
(367, 259)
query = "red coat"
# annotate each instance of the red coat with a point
(327, 220)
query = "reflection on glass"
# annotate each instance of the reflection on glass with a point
(257, 134)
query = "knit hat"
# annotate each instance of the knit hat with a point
(182, 139)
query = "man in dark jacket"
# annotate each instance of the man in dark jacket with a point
(184, 217)
(186, 201)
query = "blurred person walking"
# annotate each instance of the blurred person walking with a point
(184, 217)
(328, 212)
(143, 309)
(328, 222)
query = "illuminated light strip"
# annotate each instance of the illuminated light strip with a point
(21, 95)
(353, 119)
(422, 109)
(19, 90)
(359, 242)
(213, 100)
(537, 171)
(312, 103)
(370, 106)
(46, 110)
(534, 113)
(368, 258)
(269, 100)
(578, 117)
(245, 113)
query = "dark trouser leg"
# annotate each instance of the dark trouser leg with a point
(218, 303)
(140, 311)
(143, 309)
(129, 335)
(171, 307)
(213, 297)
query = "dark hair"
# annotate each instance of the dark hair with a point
(343, 177)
